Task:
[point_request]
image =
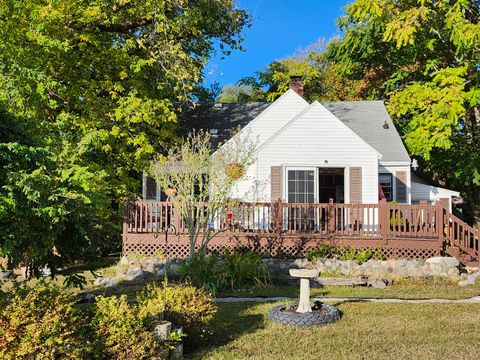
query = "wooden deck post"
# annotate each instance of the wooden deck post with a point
(440, 224)
(331, 219)
(384, 220)
(279, 224)
(126, 213)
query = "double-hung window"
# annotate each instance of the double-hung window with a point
(301, 186)
(386, 182)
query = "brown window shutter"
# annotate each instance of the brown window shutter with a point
(276, 183)
(355, 185)
(401, 184)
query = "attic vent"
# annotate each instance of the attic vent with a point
(213, 132)
(217, 105)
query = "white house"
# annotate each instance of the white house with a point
(348, 151)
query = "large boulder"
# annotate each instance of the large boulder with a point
(444, 261)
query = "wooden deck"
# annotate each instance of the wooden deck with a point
(288, 230)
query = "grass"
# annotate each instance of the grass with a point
(401, 289)
(366, 331)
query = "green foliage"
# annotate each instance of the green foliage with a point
(123, 334)
(331, 251)
(320, 78)
(183, 305)
(41, 323)
(232, 270)
(324, 250)
(93, 85)
(44, 322)
(200, 183)
(349, 254)
(241, 93)
(242, 269)
(422, 57)
(204, 271)
(48, 215)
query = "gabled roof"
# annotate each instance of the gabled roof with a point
(316, 105)
(221, 120)
(365, 118)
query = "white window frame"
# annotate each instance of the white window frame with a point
(315, 168)
(301, 168)
(392, 184)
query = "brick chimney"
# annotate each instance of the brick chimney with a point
(296, 84)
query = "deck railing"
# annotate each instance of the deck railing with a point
(394, 225)
(324, 220)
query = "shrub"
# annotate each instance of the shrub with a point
(324, 251)
(241, 269)
(185, 306)
(41, 322)
(204, 271)
(349, 254)
(122, 333)
(232, 270)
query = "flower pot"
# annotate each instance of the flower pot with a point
(163, 329)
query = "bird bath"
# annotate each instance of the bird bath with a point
(302, 314)
(304, 275)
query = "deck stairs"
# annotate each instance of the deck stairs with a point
(461, 240)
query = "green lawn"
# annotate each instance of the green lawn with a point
(403, 289)
(366, 331)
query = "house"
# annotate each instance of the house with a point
(350, 152)
(333, 171)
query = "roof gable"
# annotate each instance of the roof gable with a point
(367, 120)
(320, 113)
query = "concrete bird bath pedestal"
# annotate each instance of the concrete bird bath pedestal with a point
(305, 275)
(302, 314)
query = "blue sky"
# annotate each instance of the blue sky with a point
(279, 29)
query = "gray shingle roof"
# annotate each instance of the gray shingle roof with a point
(225, 118)
(365, 118)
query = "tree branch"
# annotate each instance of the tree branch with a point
(125, 26)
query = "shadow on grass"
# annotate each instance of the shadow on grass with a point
(231, 322)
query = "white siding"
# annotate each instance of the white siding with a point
(273, 118)
(313, 137)
(431, 193)
(261, 129)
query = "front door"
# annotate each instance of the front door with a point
(331, 185)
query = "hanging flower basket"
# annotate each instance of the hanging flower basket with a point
(235, 171)
(170, 192)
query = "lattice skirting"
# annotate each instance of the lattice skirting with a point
(288, 247)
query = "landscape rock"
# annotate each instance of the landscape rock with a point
(106, 282)
(443, 261)
(134, 274)
(470, 279)
(378, 283)
(416, 268)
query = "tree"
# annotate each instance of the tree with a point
(199, 183)
(96, 83)
(48, 215)
(320, 77)
(241, 93)
(422, 58)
